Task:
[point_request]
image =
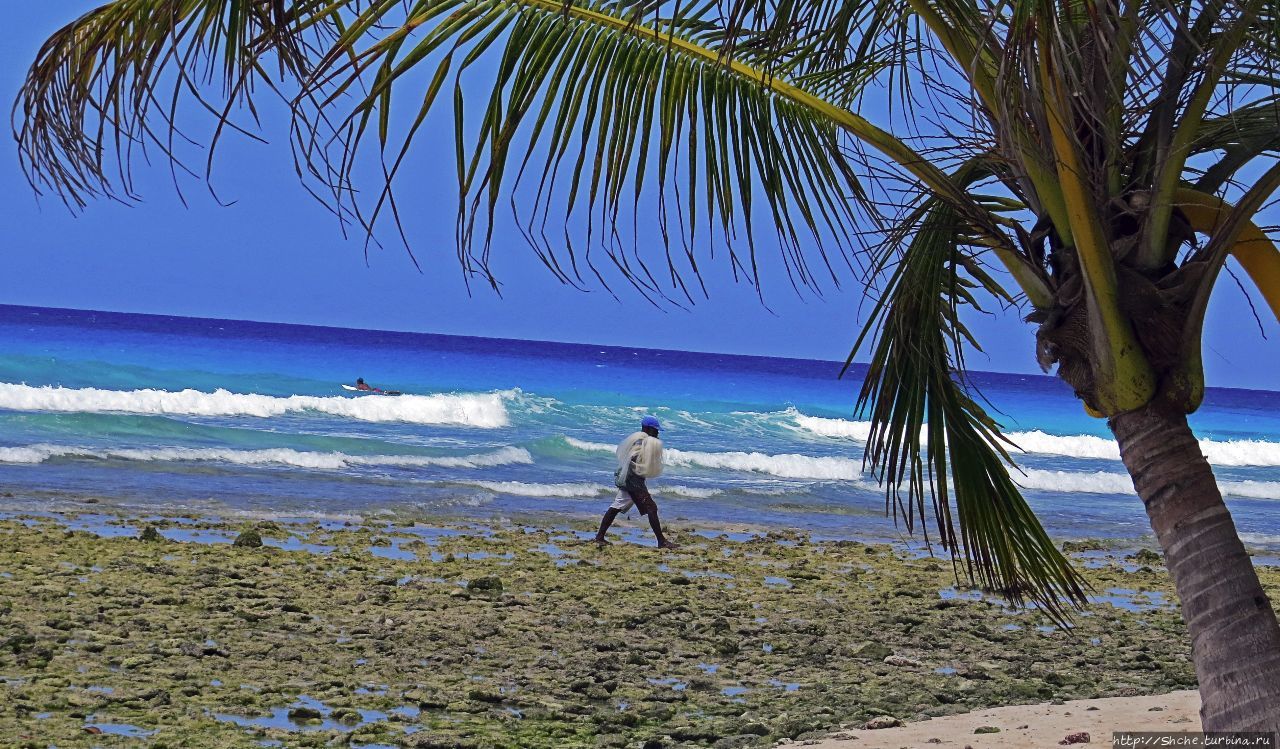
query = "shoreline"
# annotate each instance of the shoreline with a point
(215, 512)
(511, 634)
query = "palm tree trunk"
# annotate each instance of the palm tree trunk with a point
(1234, 636)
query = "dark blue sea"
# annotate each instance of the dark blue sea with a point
(227, 417)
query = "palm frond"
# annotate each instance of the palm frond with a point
(110, 83)
(618, 110)
(931, 444)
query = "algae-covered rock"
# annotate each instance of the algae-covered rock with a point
(794, 726)
(1146, 556)
(150, 534)
(558, 657)
(250, 539)
(490, 584)
(1088, 544)
(872, 651)
(436, 740)
(303, 714)
(986, 729)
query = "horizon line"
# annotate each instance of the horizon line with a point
(393, 331)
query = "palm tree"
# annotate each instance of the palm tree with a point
(1107, 157)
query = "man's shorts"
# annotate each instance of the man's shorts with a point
(636, 494)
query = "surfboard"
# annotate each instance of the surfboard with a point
(355, 389)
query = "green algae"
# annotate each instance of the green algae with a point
(499, 643)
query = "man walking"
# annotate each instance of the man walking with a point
(639, 458)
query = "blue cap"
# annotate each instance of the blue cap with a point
(650, 421)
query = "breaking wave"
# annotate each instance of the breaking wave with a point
(1218, 452)
(271, 456)
(855, 430)
(484, 410)
(523, 489)
(788, 465)
(1102, 482)
(581, 491)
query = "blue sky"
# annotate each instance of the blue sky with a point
(277, 255)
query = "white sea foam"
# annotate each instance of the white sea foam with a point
(787, 465)
(1098, 482)
(271, 456)
(595, 447)
(842, 469)
(580, 491)
(1103, 482)
(485, 410)
(1218, 452)
(1251, 489)
(28, 453)
(1075, 446)
(692, 492)
(855, 430)
(523, 489)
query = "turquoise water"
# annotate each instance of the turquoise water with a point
(223, 416)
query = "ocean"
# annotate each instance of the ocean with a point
(220, 417)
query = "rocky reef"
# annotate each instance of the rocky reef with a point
(399, 634)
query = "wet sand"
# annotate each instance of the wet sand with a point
(403, 634)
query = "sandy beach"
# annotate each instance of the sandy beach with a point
(1040, 725)
(402, 633)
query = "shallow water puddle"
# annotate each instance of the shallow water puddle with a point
(376, 689)
(199, 536)
(951, 594)
(559, 555)
(393, 551)
(117, 729)
(280, 717)
(432, 535)
(669, 681)
(97, 689)
(103, 526)
(1132, 600)
(708, 573)
(1096, 559)
(293, 543)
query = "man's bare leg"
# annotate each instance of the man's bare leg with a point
(656, 525)
(605, 522)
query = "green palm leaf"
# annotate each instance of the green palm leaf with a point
(931, 443)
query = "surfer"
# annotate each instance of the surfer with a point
(364, 387)
(639, 458)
